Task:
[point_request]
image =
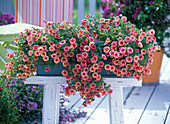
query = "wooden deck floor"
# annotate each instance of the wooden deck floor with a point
(142, 105)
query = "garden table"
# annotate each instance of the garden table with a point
(52, 91)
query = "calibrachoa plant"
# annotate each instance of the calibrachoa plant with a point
(117, 47)
(6, 18)
(145, 14)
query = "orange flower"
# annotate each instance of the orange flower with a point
(88, 102)
(64, 73)
(78, 84)
(92, 69)
(56, 60)
(72, 91)
(94, 75)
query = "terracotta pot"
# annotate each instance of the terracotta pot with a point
(153, 79)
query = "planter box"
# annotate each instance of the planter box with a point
(54, 71)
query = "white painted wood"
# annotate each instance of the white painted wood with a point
(116, 106)
(136, 103)
(45, 80)
(101, 114)
(168, 118)
(51, 103)
(156, 110)
(124, 82)
(81, 8)
(92, 7)
(51, 98)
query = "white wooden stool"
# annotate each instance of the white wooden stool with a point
(51, 96)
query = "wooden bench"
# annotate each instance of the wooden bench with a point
(52, 90)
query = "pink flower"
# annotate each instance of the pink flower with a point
(86, 16)
(73, 45)
(132, 37)
(143, 34)
(91, 39)
(29, 38)
(66, 48)
(116, 54)
(151, 55)
(114, 43)
(51, 48)
(129, 59)
(151, 32)
(72, 40)
(86, 48)
(77, 66)
(58, 46)
(140, 45)
(106, 49)
(102, 19)
(30, 52)
(62, 42)
(30, 43)
(21, 53)
(136, 58)
(87, 26)
(107, 28)
(122, 49)
(45, 58)
(102, 26)
(80, 35)
(128, 74)
(57, 36)
(104, 57)
(47, 69)
(111, 53)
(25, 58)
(140, 56)
(16, 40)
(84, 54)
(118, 23)
(53, 56)
(130, 50)
(124, 19)
(35, 47)
(43, 39)
(143, 51)
(37, 53)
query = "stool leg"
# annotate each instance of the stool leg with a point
(51, 103)
(116, 106)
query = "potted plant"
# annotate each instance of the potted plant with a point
(117, 47)
(144, 14)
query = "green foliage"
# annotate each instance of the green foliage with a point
(145, 14)
(9, 113)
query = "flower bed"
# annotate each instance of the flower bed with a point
(6, 18)
(126, 51)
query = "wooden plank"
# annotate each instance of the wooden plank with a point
(51, 103)
(92, 7)
(156, 110)
(125, 82)
(101, 114)
(81, 8)
(136, 103)
(116, 106)
(167, 121)
(90, 109)
(73, 100)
